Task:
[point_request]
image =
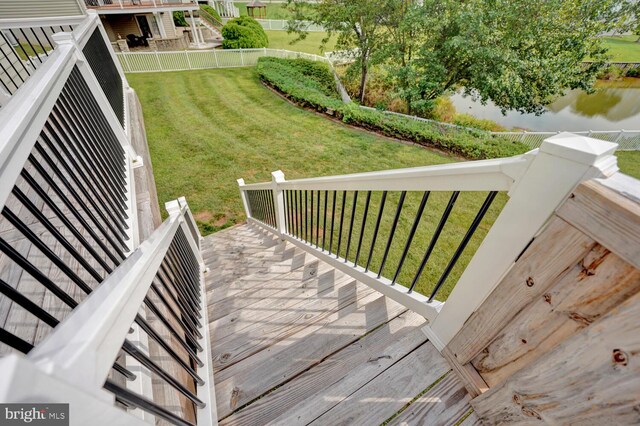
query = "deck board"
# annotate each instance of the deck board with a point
(296, 342)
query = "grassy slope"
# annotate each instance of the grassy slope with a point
(311, 44)
(623, 48)
(208, 128)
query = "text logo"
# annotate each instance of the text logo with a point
(34, 414)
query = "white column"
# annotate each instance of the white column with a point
(278, 201)
(160, 22)
(194, 31)
(243, 196)
(561, 163)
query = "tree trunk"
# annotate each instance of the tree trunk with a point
(363, 82)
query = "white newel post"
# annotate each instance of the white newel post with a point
(278, 201)
(243, 196)
(561, 163)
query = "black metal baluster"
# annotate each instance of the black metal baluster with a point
(24, 52)
(353, 216)
(311, 219)
(297, 221)
(306, 216)
(464, 242)
(317, 218)
(434, 238)
(392, 232)
(344, 199)
(414, 227)
(333, 216)
(324, 222)
(362, 228)
(376, 229)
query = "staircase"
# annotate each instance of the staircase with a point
(295, 341)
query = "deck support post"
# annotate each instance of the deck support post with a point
(243, 197)
(277, 177)
(560, 164)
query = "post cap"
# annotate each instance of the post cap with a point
(581, 149)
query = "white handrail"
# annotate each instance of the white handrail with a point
(482, 175)
(537, 183)
(24, 115)
(82, 348)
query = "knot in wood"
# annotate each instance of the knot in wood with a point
(620, 357)
(529, 282)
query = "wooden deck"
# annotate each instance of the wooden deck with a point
(296, 342)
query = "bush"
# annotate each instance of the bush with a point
(211, 11)
(466, 120)
(310, 84)
(633, 72)
(243, 33)
(610, 73)
(179, 19)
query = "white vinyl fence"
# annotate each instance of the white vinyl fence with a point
(203, 59)
(137, 62)
(283, 25)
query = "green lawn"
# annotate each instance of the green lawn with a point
(623, 48)
(629, 163)
(208, 128)
(311, 44)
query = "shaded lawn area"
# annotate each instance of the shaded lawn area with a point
(208, 128)
(311, 44)
(623, 48)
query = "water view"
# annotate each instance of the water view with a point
(614, 107)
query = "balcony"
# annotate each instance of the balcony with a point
(135, 6)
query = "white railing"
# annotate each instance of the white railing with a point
(62, 142)
(536, 184)
(73, 362)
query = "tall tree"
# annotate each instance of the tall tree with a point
(357, 24)
(520, 55)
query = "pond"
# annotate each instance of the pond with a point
(614, 106)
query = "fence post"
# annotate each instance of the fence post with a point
(186, 54)
(241, 57)
(278, 201)
(620, 133)
(243, 197)
(215, 56)
(562, 162)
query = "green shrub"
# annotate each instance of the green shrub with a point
(179, 19)
(243, 33)
(610, 73)
(310, 84)
(466, 120)
(633, 72)
(211, 11)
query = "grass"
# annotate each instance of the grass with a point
(629, 163)
(623, 48)
(26, 50)
(231, 126)
(311, 44)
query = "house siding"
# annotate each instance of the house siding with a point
(39, 8)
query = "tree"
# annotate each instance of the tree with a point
(358, 25)
(243, 33)
(520, 55)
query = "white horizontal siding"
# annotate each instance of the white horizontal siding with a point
(11, 9)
